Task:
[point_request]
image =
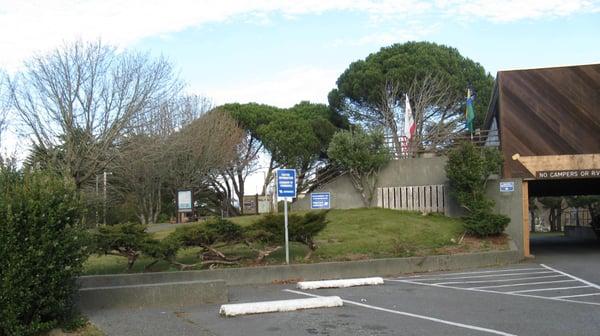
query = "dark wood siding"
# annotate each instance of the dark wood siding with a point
(552, 111)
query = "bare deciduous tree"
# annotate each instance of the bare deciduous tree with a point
(3, 102)
(435, 108)
(190, 144)
(243, 164)
(82, 96)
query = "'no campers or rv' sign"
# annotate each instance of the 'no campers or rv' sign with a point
(567, 174)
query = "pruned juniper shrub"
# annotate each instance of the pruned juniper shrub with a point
(42, 250)
(127, 240)
(206, 236)
(269, 232)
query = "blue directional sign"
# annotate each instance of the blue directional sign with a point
(320, 200)
(286, 183)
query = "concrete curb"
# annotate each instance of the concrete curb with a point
(149, 295)
(236, 309)
(339, 283)
(320, 271)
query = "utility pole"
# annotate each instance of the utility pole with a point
(104, 205)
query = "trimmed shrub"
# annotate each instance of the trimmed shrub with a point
(204, 235)
(468, 169)
(42, 250)
(214, 230)
(302, 229)
(127, 240)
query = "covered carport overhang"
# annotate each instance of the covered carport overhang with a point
(567, 187)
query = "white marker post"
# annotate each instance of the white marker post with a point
(286, 187)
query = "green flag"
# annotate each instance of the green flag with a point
(470, 112)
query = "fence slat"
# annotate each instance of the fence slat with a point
(429, 198)
(441, 198)
(434, 207)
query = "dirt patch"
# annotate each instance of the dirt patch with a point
(471, 243)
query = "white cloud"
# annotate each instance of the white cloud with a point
(414, 31)
(283, 89)
(513, 10)
(27, 25)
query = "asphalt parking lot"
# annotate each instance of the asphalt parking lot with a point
(557, 297)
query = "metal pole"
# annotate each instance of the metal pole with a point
(287, 247)
(96, 203)
(104, 203)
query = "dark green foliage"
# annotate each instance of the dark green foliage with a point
(305, 230)
(215, 230)
(468, 169)
(294, 137)
(485, 223)
(360, 85)
(302, 228)
(361, 153)
(42, 250)
(127, 240)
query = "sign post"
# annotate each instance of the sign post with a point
(286, 187)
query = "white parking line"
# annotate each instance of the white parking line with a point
(572, 276)
(493, 292)
(523, 284)
(433, 319)
(478, 272)
(501, 280)
(572, 296)
(547, 289)
(485, 276)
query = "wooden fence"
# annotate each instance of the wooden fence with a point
(428, 198)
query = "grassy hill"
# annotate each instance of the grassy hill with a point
(350, 235)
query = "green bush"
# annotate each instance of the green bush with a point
(127, 240)
(302, 228)
(468, 169)
(362, 154)
(42, 250)
(214, 230)
(485, 223)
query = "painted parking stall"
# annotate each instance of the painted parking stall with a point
(539, 282)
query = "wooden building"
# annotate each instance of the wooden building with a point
(548, 122)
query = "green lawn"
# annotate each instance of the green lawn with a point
(350, 235)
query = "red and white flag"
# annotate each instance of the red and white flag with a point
(409, 121)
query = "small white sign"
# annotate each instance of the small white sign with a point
(507, 186)
(184, 201)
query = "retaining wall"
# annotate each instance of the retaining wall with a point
(111, 292)
(319, 271)
(397, 173)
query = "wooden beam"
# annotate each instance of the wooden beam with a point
(525, 192)
(558, 162)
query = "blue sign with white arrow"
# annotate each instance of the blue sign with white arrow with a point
(286, 183)
(320, 200)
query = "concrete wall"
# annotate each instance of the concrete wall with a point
(152, 293)
(511, 205)
(398, 173)
(425, 171)
(317, 271)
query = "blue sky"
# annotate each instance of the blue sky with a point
(280, 60)
(280, 52)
